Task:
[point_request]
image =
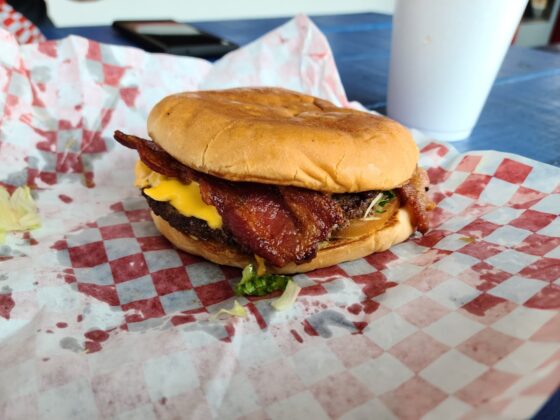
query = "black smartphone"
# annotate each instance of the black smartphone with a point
(173, 37)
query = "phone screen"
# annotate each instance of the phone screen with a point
(172, 34)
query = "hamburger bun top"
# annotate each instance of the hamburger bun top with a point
(281, 137)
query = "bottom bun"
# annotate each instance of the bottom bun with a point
(396, 230)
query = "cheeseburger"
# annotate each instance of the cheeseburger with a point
(278, 178)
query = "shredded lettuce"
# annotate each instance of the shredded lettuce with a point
(236, 310)
(18, 212)
(388, 196)
(252, 284)
(378, 203)
(286, 301)
(372, 205)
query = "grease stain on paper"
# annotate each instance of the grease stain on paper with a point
(70, 343)
(322, 322)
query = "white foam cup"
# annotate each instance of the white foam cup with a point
(445, 56)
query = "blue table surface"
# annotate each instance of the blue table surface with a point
(522, 114)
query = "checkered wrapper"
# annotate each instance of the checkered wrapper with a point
(101, 318)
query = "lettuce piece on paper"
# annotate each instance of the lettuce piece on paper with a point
(237, 310)
(18, 212)
(252, 284)
(288, 298)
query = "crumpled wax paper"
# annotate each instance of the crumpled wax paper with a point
(101, 318)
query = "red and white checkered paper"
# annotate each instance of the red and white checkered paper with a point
(101, 318)
(24, 31)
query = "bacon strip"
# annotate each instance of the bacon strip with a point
(280, 224)
(156, 158)
(316, 214)
(413, 194)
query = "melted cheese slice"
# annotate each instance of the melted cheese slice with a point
(185, 198)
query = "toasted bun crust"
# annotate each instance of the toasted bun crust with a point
(397, 230)
(281, 137)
